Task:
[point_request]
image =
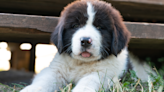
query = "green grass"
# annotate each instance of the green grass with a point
(5, 88)
(15, 88)
(130, 83)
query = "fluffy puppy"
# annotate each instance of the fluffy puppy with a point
(91, 39)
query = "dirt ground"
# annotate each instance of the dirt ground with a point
(14, 76)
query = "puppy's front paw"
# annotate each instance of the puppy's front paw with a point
(32, 88)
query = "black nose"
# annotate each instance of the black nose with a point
(86, 42)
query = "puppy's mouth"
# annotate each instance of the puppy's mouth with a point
(86, 54)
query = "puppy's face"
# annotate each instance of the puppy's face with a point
(90, 30)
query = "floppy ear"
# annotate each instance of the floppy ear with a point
(56, 37)
(121, 35)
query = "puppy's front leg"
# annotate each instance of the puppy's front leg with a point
(89, 83)
(46, 81)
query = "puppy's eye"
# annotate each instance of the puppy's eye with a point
(75, 26)
(98, 27)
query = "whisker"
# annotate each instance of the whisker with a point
(68, 50)
(105, 52)
(67, 45)
(106, 48)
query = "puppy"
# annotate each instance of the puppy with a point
(91, 39)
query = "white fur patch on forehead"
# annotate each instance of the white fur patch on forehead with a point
(88, 30)
(90, 12)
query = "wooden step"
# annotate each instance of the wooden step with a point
(140, 10)
(157, 2)
(133, 10)
(30, 28)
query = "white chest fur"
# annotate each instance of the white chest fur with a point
(73, 70)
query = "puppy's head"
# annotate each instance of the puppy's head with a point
(90, 30)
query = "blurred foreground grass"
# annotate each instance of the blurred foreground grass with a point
(130, 83)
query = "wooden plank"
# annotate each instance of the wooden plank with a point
(35, 7)
(146, 30)
(38, 28)
(43, 23)
(32, 57)
(22, 35)
(132, 10)
(20, 58)
(156, 44)
(158, 2)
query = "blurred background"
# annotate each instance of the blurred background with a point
(44, 55)
(26, 25)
